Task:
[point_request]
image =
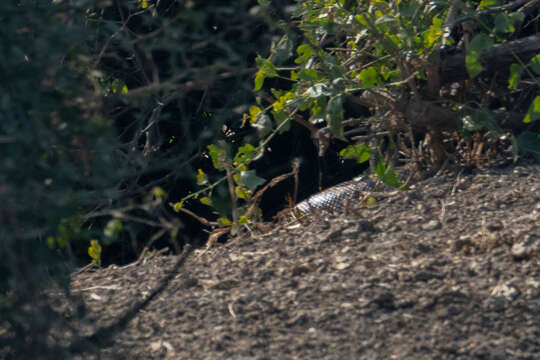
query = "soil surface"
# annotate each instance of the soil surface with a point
(447, 270)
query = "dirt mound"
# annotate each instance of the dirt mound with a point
(448, 270)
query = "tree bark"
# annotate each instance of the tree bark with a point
(495, 59)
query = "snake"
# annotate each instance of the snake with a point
(334, 199)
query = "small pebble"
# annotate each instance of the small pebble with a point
(431, 225)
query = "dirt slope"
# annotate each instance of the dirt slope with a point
(448, 270)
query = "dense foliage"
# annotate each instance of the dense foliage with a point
(441, 82)
(104, 106)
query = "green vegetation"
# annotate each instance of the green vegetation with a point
(420, 68)
(117, 117)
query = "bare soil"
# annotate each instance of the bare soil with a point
(447, 270)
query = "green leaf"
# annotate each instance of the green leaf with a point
(534, 111)
(244, 154)
(380, 169)
(484, 4)
(243, 220)
(215, 154)
(433, 33)
(308, 74)
(251, 180)
(242, 192)
(159, 192)
(178, 205)
(202, 179)
(535, 64)
(253, 112)
(94, 251)
(206, 201)
(282, 100)
(360, 152)
(369, 77)
(305, 51)
(143, 4)
(529, 143)
(259, 80)
(478, 44)
(268, 68)
(361, 19)
(503, 23)
(223, 221)
(391, 179)
(334, 116)
(515, 75)
(387, 176)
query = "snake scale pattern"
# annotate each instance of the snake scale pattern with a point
(333, 199)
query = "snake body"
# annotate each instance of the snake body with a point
(333, 199)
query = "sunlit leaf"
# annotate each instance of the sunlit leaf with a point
(360, 152)
(282, 101)
(159, 192)
(245, 153)
(215, 153)
(535, 64)
(267, 66)
(202, 179)
(368, 77)
(515, 76)
(242, 192)
(433, 33)
(206, 201)
(223, 221)
(253, 112)
(534, 111)
(259, 80)
(94, 251)
(177, 206)
(387, 176)
(360, 18)
(305, 51)
(487, 3)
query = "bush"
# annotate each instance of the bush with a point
(103, 106)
